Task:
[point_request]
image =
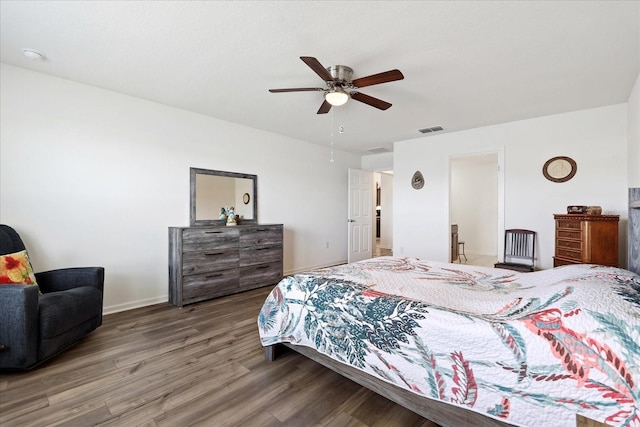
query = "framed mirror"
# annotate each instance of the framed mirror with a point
(211, 191)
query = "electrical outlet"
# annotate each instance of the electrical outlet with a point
(326, 245)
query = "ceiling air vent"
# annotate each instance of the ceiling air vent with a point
(431, 129)
(379, 150)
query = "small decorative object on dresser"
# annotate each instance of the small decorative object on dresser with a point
(586, 239)
(208, 262)
(577, 209)
(594, 210)
(231, 217)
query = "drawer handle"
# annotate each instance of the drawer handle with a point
(214, 253)
(262, 249)
(213, 232)
(262, 267)
(211, 276)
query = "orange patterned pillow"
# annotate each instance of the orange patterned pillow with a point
(16, 269)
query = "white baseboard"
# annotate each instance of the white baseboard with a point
(134, 304)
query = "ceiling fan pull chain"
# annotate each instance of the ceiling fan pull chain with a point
(332, 113)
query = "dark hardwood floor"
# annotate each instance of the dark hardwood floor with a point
(202, 365)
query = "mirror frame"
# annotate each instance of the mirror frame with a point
(192, 196)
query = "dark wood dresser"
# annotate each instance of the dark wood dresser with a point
(586, 239)
(208, 262)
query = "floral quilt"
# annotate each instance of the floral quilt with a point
(532, 349)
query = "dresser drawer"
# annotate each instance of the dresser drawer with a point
(209, 260)
(203, 286)
(557, 262)
(260, 275)
(575, 245)
(261, 236)
(569, 234)
(568, 253)
(568, 224)
(260, 255)
(195, 239)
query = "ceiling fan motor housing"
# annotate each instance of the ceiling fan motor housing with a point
(340, 73)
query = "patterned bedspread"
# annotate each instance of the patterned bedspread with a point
(532, 349)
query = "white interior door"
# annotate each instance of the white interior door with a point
(361, 214)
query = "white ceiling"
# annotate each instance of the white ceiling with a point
(466, 63)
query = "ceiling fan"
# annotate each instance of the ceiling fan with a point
(338, 81)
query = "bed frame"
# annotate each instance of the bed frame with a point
(438, 412)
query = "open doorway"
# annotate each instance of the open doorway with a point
(475, 207)
(383, 228)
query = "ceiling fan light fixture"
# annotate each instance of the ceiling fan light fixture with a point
(336, 97)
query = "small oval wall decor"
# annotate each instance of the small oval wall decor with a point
(560, 169)
(417, 180)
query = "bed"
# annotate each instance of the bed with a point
(467, 345)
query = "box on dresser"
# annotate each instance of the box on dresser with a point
(209, 262)
(586, 239)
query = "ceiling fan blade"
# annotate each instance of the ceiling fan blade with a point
(370, 100)
(299, 89)
(316, 66)
(324, 108)
(376, 79)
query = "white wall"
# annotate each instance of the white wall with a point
(634, 135)
(595, 138)
(92, 177)
(377, 162)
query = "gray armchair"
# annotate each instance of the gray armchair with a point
(35, 327)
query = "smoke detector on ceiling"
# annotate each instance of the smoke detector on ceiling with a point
(34, 54)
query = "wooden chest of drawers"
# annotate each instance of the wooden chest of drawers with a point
(208, 262)
(586, 239)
